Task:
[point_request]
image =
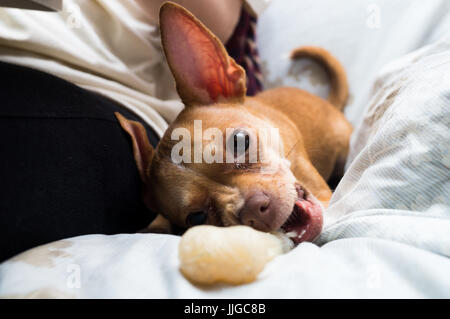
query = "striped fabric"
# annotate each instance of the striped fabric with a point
(242, 48)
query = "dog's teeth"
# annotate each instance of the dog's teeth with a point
(302, 233)
(292, 234)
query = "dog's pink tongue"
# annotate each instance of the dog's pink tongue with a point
(309, 224)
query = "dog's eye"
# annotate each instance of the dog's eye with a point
(240, 141)
(197, 218)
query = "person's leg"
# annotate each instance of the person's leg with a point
(66, 166)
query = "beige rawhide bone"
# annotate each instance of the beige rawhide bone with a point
(232, 255)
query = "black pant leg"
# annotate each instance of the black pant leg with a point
(66, 166)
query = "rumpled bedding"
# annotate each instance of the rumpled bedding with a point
(386, 232)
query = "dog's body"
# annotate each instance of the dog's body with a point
(314, 135)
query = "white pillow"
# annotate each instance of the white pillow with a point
(397, 185)
(363, 35)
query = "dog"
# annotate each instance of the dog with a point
(288, 191)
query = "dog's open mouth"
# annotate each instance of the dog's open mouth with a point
(305, 221)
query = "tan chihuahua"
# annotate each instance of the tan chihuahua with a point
(280, 191)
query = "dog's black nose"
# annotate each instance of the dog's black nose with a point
(257, 212)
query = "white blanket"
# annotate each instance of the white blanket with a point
(386, 235)
(363, 35)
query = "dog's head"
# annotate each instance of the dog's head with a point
(219, 162)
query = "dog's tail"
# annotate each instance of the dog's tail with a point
(339, 87)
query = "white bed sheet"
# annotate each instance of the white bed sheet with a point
(363, 35)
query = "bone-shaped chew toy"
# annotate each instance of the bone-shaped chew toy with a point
(232, 255)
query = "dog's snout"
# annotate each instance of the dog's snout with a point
(258, 212)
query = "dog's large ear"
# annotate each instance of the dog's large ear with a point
(203, 71)
(142, 149)
(159, 225)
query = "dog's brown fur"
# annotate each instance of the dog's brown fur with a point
(314, 133)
